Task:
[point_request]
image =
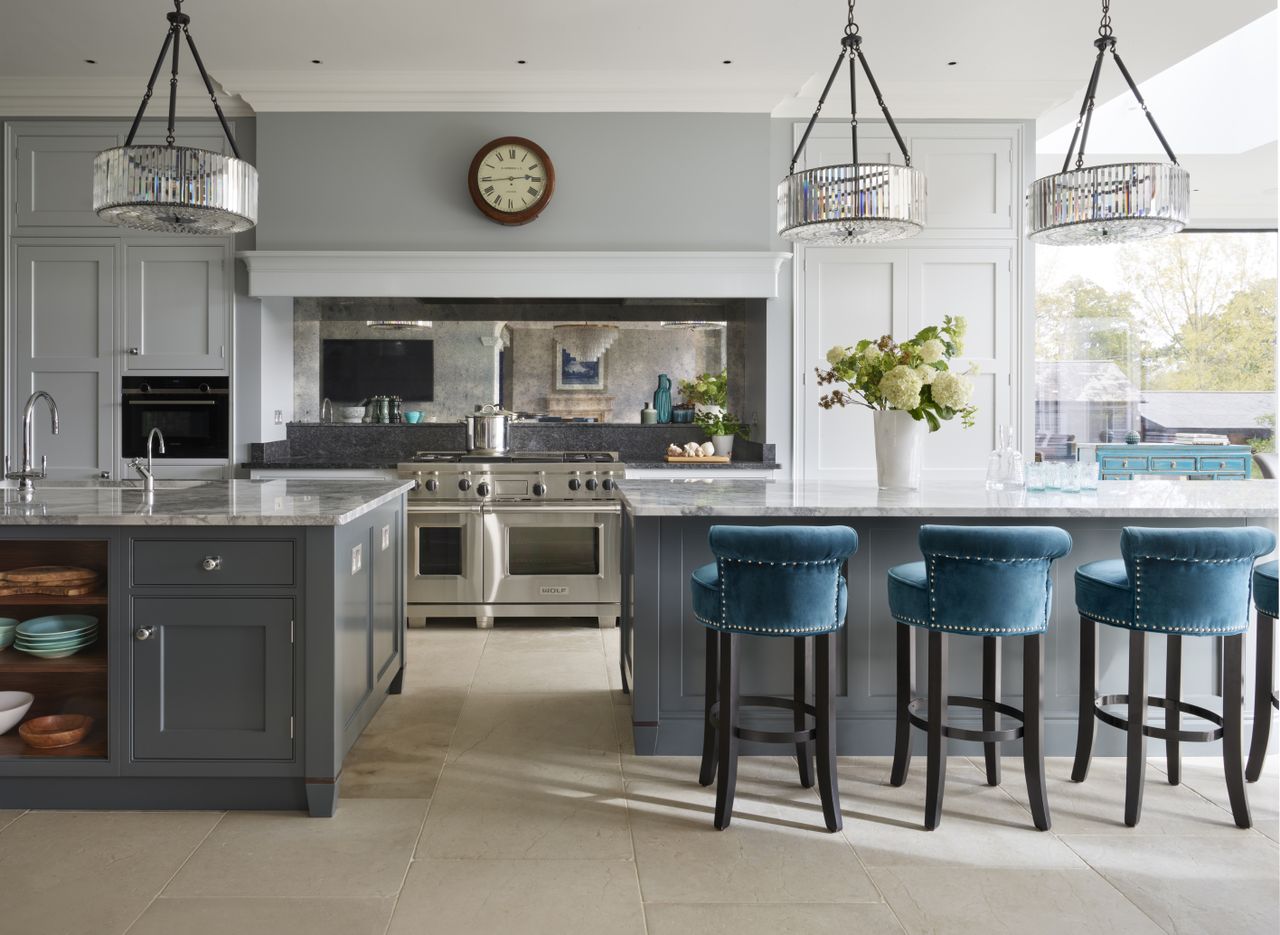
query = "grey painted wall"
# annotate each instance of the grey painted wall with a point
(397, 181)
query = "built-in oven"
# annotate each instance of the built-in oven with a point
(193, 414)
(552, 553)
(445, 555)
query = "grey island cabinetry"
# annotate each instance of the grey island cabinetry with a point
(665, 526)
(231, 641)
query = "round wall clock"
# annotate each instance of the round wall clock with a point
(511, 180)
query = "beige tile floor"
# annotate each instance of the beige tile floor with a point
(500, 794)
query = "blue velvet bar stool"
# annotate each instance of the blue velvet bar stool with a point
(1264, 679)
(1176, 582)
(988, 581)
(778, 581)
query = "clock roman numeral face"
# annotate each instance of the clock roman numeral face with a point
(512, 178)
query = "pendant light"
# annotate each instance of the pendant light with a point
(856, 203)
(1109, 203)
(179, 189)
(585, 342)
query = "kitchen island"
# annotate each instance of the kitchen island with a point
(247, 631)
(665, 526)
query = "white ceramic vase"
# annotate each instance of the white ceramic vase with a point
(723, 444)
(899, 441)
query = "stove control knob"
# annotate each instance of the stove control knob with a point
(592, 483)
(539, 490)
(574, 483)
(464, 484)
(482, 489)
(432, 484)
(607, 484)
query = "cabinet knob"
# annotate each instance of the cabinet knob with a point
(144, 633)
(212, 563)
(135, 351)
(105, 475)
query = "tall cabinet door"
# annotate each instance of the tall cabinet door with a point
(176, 308)
(64, 302)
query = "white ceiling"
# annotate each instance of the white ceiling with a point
(1015, 58)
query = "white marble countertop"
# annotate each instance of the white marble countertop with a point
(1175, 499)
(198, 503)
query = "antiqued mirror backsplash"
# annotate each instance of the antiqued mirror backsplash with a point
(509, 352)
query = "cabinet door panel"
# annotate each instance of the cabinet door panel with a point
(177, 308)
(388, 572)
(214, 680)
(54, 181)
(969, 182)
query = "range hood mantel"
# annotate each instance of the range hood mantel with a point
(511, 274)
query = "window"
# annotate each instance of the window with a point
(1159, 338)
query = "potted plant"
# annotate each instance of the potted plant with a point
(707, 392)
(721, 427)
(908, 386)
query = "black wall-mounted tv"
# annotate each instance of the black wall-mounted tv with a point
(352, 370)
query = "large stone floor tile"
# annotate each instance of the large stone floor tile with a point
(529, 804)
(529, 897)
(776, 919)
(514, 672)
(951, 901)
(624, 731)
(1192, 885)
(360, 853)
(775, 850)
(533, 721)
(9, 815)
(91, 873)
(535, 636)
(265, 917)
(399, 763)
(1096, 806)
(1205, 776)
(981, 825)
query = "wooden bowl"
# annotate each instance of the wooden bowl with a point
(55, 730)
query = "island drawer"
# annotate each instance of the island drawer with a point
(213, 562)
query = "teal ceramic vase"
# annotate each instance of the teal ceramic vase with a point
(662, 398)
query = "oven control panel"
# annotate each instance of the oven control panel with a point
(454, 484)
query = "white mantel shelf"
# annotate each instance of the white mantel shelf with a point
(514, 274)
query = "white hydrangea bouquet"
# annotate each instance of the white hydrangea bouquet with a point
(912, 376)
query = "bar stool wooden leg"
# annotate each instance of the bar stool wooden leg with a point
(1233, 727)
(708, 772)
(1172, 695)
(936, 769)
(1088, 698)
(825, 702)
(801, 659)
(1033, 727)
(906, 694)
(991, 692)
(727, 777)
(1136, 746)
(1263, 685)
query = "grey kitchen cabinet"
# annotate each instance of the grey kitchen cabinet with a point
(53, 181)
(388, 574)
(212, 678)
(177, 306)
(64, 301)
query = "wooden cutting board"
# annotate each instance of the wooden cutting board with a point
(54, 580)
(711, 459)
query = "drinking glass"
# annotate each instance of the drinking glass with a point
(1052, 475)
(1089, 475)
(1035, 475)
(1071, 477)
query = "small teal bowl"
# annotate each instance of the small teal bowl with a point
(8, 627)
(57, 625)
(413, 416)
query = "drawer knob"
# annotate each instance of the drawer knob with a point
(135, 351)
(212, 563)
(144, 633)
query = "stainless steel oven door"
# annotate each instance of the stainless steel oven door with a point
(552, 554)
(445, 554)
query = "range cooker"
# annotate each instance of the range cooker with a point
(526, 534)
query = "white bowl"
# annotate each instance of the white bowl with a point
(13, 708)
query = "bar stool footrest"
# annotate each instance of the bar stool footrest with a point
(770, 736)
(964, 733)
(1161, 733)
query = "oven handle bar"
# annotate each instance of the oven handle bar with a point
(468, 508)
(173, 402)
(601, 507)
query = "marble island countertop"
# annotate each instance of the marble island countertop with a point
(749, 498)
(197, 503)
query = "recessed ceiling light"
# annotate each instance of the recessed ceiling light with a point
(91, 61)
(951, 63)
(317, 61)
(521, 61)
(727, 61)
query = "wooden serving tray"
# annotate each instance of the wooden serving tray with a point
(53, 580)
(709, 459)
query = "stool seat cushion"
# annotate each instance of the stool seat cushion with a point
(1193, 582)
(1264, 588)
(707, 606)
(909, 593)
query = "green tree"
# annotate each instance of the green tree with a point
(1080, 320)
(1233, 348)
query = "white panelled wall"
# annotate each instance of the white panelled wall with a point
(971, 260)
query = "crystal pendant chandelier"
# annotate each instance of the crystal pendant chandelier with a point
(585, 342)
(1110, 203)
(171, 188)
(858, 203)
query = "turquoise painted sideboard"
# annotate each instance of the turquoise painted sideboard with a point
(1199, 462)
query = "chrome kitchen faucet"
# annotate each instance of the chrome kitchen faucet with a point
(27, 476)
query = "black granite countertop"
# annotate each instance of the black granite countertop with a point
(684, 465)
(316, 464)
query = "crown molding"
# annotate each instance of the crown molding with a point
(536, 91)
(514, 274)
(104, 97)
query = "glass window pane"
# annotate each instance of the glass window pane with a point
(565, 550)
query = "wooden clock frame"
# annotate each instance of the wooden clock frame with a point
(511, 218)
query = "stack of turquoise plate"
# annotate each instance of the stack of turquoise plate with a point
(56, 637)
